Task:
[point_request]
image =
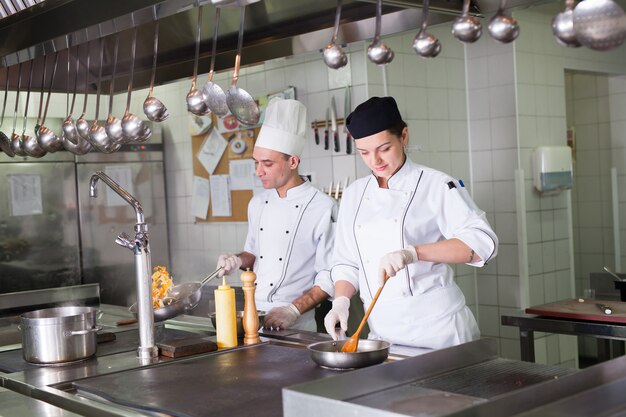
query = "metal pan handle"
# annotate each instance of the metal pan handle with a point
(68, 333)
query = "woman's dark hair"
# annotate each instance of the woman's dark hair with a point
(397, 129)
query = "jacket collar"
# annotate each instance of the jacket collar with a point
(398, 179)
(294, 192)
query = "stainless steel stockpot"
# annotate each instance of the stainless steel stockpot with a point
(61, 334)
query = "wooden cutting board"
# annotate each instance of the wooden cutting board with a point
(582, 309)
(186, 347)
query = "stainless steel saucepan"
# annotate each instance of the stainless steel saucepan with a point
(61, 334)
(369, 352)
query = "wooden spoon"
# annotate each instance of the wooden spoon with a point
(352, 343)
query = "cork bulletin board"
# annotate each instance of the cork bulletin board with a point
(239, 198)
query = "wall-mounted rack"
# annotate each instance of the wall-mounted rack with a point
(322, 123)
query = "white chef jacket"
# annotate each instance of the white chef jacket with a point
(292, 240)
(421, 306)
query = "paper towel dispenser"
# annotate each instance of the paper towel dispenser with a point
(552, 166)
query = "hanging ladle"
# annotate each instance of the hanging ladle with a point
(467, 28)
(82, 145)
(5, 142)
(378, 52)
(195, 101)
(334, 56)
(97, 133)
(46, 137)
(563, 26)
(600, 24)
(351, 345)
(29, 143)
(113, 125)
(153, 108)
(240, 102)
(42, 93)
(16, 140)
(133, 127)
(502, 27)
(69, 128)
(82, 125)
(425, 44)
(213, 95)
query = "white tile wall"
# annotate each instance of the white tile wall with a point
(593, 113)
(516, 100)
(542, 97)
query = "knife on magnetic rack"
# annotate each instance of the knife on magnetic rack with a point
(326, 124)
(347, 104)
(333, 124)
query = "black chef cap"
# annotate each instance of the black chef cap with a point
(375, 115)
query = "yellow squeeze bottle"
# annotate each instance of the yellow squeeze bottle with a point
(225, 316)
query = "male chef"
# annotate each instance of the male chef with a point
(290, 225)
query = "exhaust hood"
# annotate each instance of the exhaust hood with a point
(273, 29)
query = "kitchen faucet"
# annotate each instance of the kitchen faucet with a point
(143, 267)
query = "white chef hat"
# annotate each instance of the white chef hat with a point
(284, 127)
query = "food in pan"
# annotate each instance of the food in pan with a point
(161, 283)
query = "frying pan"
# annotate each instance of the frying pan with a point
(185, 297)
(328, 354)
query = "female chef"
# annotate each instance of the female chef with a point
(407, 221)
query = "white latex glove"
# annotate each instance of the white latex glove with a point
(281, 317)
(395, 261)
(229, 263)
(338, 314)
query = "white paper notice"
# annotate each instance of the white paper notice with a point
(242, 174)
(220, 196)
(212, 150)
(200, 197)
(25, 195)
(123, 175)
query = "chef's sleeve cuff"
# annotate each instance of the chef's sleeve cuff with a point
(482, 243)
(323, 280)
(345, 272)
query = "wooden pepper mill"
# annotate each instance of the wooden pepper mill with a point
(250, 319)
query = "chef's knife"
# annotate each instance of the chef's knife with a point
(333, 123)
(326, 146)
(347, 108)
(317, 135)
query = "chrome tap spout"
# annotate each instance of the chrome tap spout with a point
(143, 266)
(93, 192)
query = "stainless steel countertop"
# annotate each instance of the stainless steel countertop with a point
(54, 384)
(13, 404)
(469, 380)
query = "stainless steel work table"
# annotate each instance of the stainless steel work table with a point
(439, 383)
(456, 379)
(605, 332)
(594, 391)
(54, 384)
(17, 405)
